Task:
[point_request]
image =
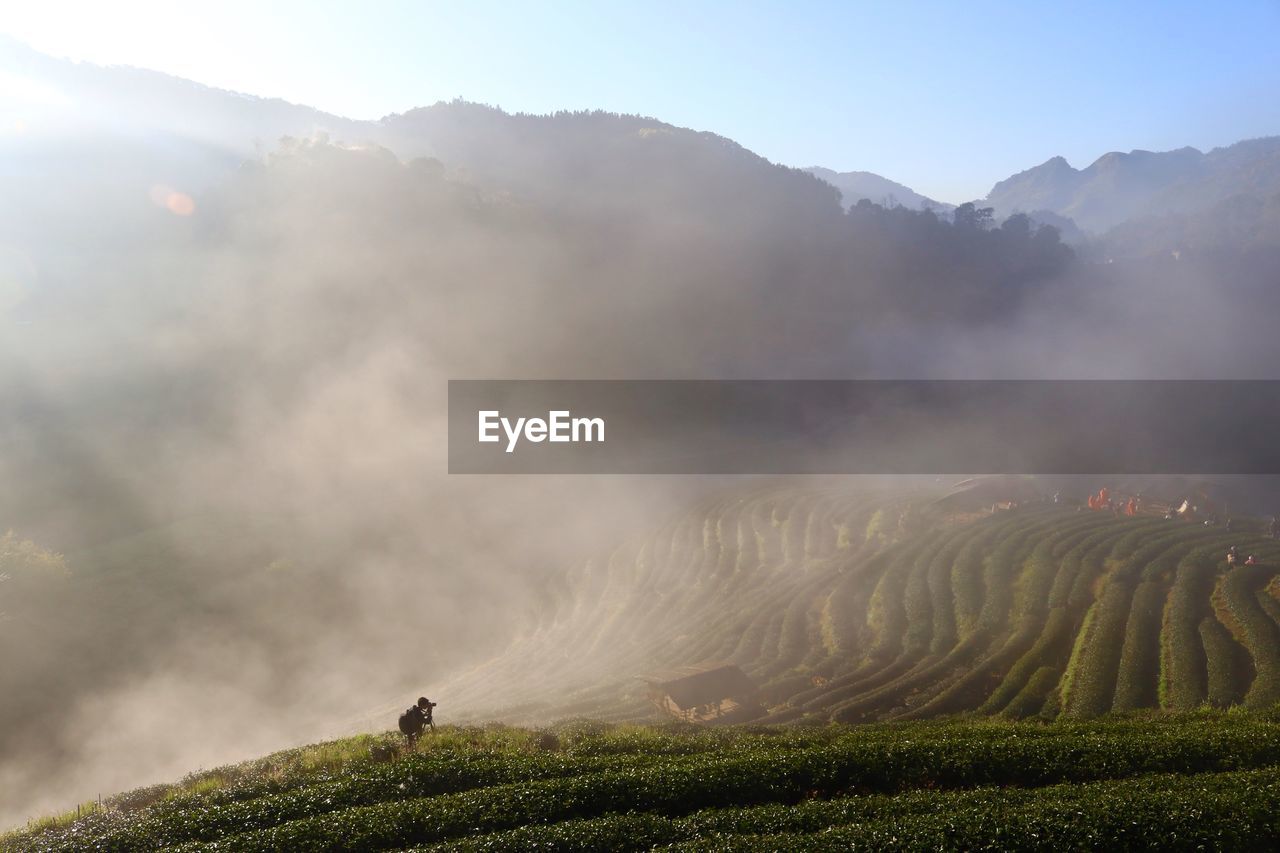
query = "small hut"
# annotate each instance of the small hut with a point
(703, 692)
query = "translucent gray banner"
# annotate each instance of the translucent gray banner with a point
(863, 427)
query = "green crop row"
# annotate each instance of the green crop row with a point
(1020, 567)
(770, 775)
(1210, 811)
(966, 582)
(1053, 644)
(1053, 565)
(1140, 657)
(918, 604)
(1226, 811)
(889, 686)
(1139, 678)
(1241, 588)
(885, 758)
(1183, 674)
(941, 593)
(1094, 682)
(1230, 670)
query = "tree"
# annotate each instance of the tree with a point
(972, 217)
(1018, 225)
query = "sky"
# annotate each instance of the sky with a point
(945, 97)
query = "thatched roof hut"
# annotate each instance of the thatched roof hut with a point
(703, 691)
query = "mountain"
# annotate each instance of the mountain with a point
(1238, 226)
(521, 152)
(53, 93)
(855, 186)
(1119, 187)
(602, 163)
(600, 160)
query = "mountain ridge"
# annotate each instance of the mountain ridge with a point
(1123, 186)
(857, 185)
(1115, 188)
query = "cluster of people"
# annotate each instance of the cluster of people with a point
(1205, 514)
(1103, 502)
(1233, 558)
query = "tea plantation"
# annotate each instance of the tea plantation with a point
(854, 608)
(1040, 677)
(1202, 781)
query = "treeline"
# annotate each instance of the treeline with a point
(674, 241)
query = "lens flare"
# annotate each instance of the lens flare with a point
(176, 202)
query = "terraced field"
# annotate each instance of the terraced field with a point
(855, 608)
(1085, 663)
(1205, 781)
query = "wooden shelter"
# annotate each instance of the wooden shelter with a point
(703, 692)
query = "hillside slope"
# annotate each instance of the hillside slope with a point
(844, 605)
(853, 608)
(1204, 782)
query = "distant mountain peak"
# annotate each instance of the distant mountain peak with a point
(857, 185)
(1119, 186)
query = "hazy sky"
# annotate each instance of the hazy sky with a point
(945, 97)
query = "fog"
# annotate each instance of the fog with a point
(223, 366)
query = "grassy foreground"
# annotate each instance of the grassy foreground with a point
(1209, 780)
